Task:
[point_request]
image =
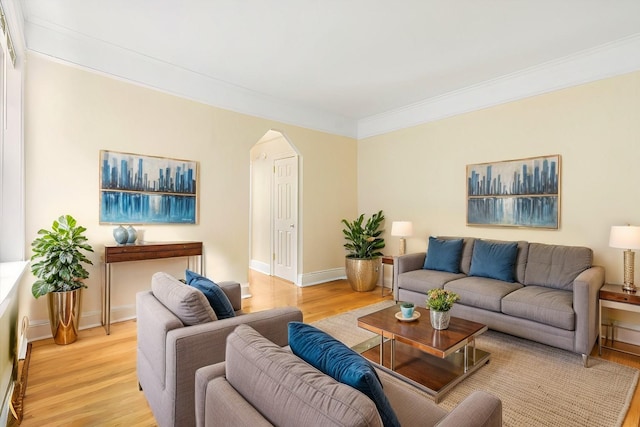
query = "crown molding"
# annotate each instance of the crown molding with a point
(608, 60)
(96, 55)
(611, 59)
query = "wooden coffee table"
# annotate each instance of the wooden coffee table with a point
(431, 360)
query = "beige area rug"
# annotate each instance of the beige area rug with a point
(538, 385)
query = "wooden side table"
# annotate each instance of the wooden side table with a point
(388, 260)
(612, 296)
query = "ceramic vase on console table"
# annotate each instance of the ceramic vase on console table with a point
(120, 235)
(132, 235)
(439, 302)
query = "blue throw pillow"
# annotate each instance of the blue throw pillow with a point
(444, 255)
(335, 359)
(494, 260)
(215, 295)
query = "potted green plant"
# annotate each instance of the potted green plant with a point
(59, 269)
(440, 301)
(363, 247)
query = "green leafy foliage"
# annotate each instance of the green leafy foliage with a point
(363, 239)
(441, 299)
(59, 265)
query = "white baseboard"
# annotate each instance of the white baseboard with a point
(626, 332)
(260, 267)
(5, 412)
(244, 290)
(40, 329)
(317, 277)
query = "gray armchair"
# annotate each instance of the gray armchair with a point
(261, 384)
(169, 352)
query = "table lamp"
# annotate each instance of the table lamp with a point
(402, 229)
(626, 237)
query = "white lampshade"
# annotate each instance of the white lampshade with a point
(625, 237)
(401, 228)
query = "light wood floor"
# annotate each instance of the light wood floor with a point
(93, 381)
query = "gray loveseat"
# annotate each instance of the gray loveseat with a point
(553, 299)
(174, 343)
(261, 384)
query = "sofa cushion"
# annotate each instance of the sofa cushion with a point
(467, 251)
(482, 292)
(423, 280)
(337, 360)
(443, 255)
(286, 390)
(214, 293)
(556, 266)
(544, 305)
(521, 258)
(494, 260)
(187, 303)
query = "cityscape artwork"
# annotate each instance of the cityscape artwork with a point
(137, 189)
(515, 193)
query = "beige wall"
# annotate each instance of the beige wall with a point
(418, 174)
(71, 114)
(415, 174)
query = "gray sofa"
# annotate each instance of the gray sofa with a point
(173, 343)
(553, 299)
(261, 384)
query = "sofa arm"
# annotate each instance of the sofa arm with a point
(410, 262)
(205, 375)
(219, 404)
(411, 408)
(479, 409)
(585, 303)
(404, 263)
(196, 346)
(233, 291)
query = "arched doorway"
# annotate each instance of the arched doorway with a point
(274, 223)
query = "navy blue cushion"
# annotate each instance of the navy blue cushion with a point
(443, 255)
(494, 260)
(215, 295)
(335, 359)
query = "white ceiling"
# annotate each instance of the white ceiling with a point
(352, 67)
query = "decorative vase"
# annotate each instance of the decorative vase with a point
(121, 235)
(439, 319)
(132, 235)
(64, 315)
(363, 274)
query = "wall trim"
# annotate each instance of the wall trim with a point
(75, 49)
(323, 276)
(260, 267)
(40, 329)
(608, 60)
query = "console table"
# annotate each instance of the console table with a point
(142, 252)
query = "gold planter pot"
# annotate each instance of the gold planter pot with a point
(363, 274)
(64, 315)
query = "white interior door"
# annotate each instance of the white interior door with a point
(285, 215)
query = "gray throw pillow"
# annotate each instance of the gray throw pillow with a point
(187, 303)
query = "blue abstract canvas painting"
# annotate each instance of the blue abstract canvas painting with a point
(515, 193)
(138, 189)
